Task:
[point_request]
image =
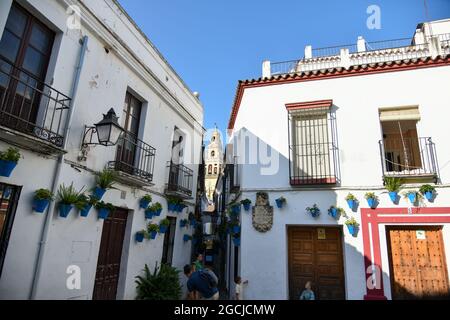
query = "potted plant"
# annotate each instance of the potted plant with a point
(413, 196)
(8, 161)
(393, 186)
(104, 209)
(192, 220)
(172, 203)
(314, 211)
(164, 225)
(351, 200)
(85, 203)
(246, 203)
(280, 202)
(428, 191)
(156, 208)
(236, 228)
(140, 235)
(371, 198)
(149, 213)
(145, 201)
(352, 226)
(42, 198)
(153, 230)
(187, 237)
(237, 240)
(183, 223)
(335, 212)
(67, 198)
(104, 181)
(235, 208)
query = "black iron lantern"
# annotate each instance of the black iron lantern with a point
(108, 129)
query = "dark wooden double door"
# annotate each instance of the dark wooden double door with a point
(417, 263)
(315, 254)
(110, 255)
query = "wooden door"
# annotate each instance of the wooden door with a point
(169, 239)
(108, 265)
(417, 263)
(315, 254)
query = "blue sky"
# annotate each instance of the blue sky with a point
(214, 43)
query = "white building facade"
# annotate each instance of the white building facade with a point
(340, 121)
(64, 64)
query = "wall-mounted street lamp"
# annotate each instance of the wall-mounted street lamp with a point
(108, 133)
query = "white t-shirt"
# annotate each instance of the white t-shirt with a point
(239, 292)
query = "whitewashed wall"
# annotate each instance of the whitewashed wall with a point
(105, 78)
(263, 114)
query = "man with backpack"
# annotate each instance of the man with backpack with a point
(201, 284)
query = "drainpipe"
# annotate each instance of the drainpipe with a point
(57, 173)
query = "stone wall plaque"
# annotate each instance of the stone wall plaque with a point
(262, 217)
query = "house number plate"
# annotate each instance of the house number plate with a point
(421, 235)
(321, 234)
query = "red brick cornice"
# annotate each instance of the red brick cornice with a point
(360, 70)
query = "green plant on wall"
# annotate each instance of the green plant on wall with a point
(106, 178)
(393, 184)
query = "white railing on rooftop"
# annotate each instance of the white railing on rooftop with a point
(359, 54)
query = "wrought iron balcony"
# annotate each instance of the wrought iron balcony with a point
(180, 180)
(30, 106)
(135, 159)
(409, 157)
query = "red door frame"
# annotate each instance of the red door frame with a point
(370, 220)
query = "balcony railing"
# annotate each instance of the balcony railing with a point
(409, 157)
(180, 179)
(30, 106)
(134, 157)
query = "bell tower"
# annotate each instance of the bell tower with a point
(213, 163)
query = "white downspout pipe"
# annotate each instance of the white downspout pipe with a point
(57, 173)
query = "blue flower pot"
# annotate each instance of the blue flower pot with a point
(351, 204)
(64, 210)
(315, 213)
(393, 195)
(279, 203)
(6, 167)
(148, 214)
(371, 202)
(157, 213)
(186, 237)
(162, 229)
(139, 237)
(412, 197)
(40, 205)
(236, 229)
(182, 224)
(85, 211)
(247, 206)
(429, 195)
(99, 193)
(172, 206)
(237, 241)
(333, 212)
(143, 204)
(153, 235)
(353, 230)
(103, 213)
(236, 209)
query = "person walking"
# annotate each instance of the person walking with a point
(239, 289)
(307, 294)
(199, 262)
